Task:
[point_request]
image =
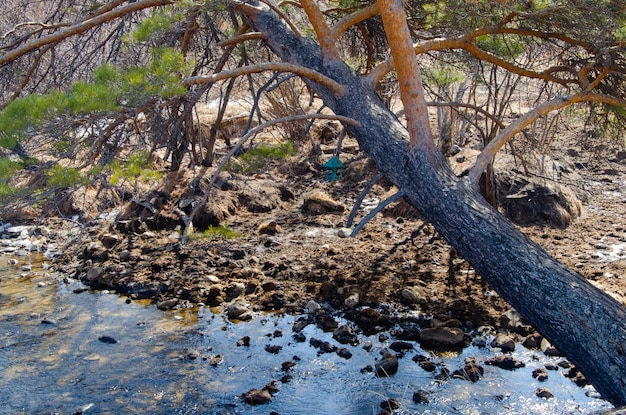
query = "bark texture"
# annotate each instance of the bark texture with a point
(583, 322)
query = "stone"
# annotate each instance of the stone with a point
(400, 346)
(238, 309)
(505, 362)
(390, 404)
(319, 202)
(547, 348)
(540, 374)
(344, 353)
(94, 274)
(471, 371)
(352, 301)
(268, 228)
(107, 339)
(345, 335)
(167, 304)
(544, 393)
(441, 336)
(387, 366)
(428, 365)
(257, 397)
(420, 396)
(503, 341)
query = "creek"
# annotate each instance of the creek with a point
(68, 350)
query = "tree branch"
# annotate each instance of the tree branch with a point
(80, 27)
(315, 76)
(324, 34)
(242, 38)
(352, 19)
(409, 74)
(485, 158)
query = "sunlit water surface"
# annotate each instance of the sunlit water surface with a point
(52, 361)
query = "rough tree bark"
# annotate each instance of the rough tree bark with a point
(584, 323)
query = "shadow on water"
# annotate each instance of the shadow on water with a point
(63, 352)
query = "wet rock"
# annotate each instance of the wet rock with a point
(400, 346)
(390, 405)
(323, 346)
(244, 341)
(547, 348)
(167, 304)
(328, 323)
(441, 336)
(471, 372)
(313, 307)
(238, 310)
(370, 318)
(576, 376)
(544, 393)
(420, 396)
(428, 365)
(443, 375)
(215, 360)
(257, 397)
(288, 365)
(387, 365)
(532, 341)
(505, 362)
(503, 341)
(272, 348)
(107, 340)
(510, 320)
(540, 374)
(49, 321)
(345, 335)
(344, 353)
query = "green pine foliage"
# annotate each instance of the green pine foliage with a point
(64, 177)
(137, 167)
(8, 168)
(257, 158)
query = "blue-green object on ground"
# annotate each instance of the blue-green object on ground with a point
(333, 169)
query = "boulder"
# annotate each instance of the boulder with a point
(441, 336)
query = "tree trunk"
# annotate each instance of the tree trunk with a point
(583, 322)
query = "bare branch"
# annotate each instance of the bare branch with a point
(352, 19)
(80, 27)
(314, 76)
(485, 158)
(242, 38)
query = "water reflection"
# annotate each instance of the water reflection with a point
(53, 360)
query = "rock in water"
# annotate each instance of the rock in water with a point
(441, 336)
(387, 366)
(257, 397)
(107, 340)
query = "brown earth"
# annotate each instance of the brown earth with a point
(292, 246)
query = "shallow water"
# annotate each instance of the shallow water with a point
(61, 366)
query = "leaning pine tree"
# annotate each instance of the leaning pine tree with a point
(583, 322)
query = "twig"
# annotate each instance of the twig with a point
(375, 211)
